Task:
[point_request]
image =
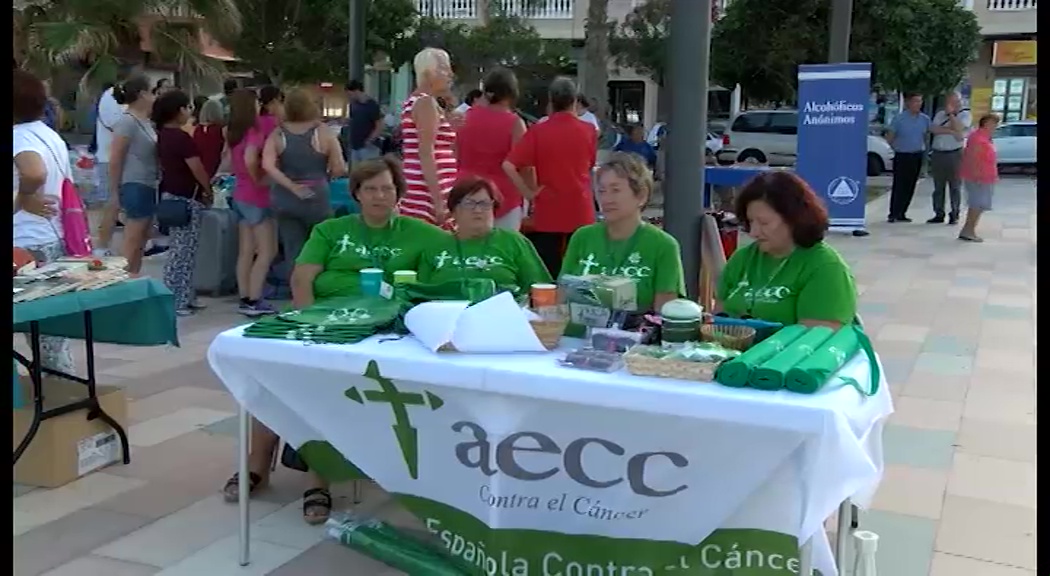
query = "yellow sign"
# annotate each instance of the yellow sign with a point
(980, 102)
(1014, 53)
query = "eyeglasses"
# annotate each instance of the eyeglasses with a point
(476, 204)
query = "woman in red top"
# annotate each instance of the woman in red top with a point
(979, 173)
(428, 140)
(208, 136)
(489, 131)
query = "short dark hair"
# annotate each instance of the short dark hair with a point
(583, 101)
(355, 85)
(269, 93)
(168, 106)
(131, 90)
(229, 85)
(986, 119)
(500, 85)
(30, 97)
(790, 197)
(472, 96)
(910, 95)
(470, 184)
(562, 94)
(368, 169)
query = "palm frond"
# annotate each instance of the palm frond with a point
(179, 44)
(65, 41)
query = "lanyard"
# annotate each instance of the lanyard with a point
(631, 243)
(378, 261)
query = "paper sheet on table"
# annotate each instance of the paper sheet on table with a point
(492, 326)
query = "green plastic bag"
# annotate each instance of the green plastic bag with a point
(384, 543)
(770, 375)
(737, 372)
(816, 370)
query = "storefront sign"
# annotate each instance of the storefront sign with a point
(833, 137)
(1014, 53)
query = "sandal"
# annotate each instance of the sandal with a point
(230, 493)
(317, 505)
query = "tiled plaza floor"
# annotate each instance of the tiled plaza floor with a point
(952, 321)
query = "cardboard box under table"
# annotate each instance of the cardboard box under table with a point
(70, 443)
(138, 312)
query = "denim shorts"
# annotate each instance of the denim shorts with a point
(138, 201)
(248, 213)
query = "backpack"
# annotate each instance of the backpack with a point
(76, 238)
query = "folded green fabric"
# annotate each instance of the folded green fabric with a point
(737, 372)
(770, 375)
(816, 370)
(334, 321)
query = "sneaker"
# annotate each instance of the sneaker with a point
(953, 220)
(197, 305)
(260, 308)
(154, 250)
(973, 238)
(936, 220)
(183, 312)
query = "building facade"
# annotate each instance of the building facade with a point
(1002, 79)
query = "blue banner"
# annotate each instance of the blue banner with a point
(833, 101)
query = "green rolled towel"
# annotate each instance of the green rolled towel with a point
(770, 375)
(814, 371)
(737, 372)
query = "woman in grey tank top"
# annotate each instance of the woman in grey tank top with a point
(300, 157)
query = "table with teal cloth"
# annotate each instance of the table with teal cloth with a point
(138, 312)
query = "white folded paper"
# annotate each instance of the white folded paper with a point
(496, 325)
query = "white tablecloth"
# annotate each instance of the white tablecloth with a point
(772, 461)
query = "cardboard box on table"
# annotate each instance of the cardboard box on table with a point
(69, 446)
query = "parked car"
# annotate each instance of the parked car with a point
(771, 136)
(1015, 144)
(659, 131)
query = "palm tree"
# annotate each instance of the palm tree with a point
(103, 34)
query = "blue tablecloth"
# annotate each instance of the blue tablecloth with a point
(138, 312)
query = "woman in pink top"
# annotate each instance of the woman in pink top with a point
(251, 203)
(489, 131)
(979, 173)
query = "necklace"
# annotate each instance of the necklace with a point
(747, 281)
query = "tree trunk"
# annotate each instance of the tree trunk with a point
(594, 80)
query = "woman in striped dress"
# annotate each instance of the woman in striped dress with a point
(428, 140)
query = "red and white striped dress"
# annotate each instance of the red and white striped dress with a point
(417, 201)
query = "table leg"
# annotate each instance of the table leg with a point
(243, 486)
(36, 375)
(805, 558)
(842, 534)
(89, 350)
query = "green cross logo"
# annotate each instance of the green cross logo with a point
(406, 434)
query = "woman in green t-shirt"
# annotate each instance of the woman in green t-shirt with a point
(478, 249)
(329, 265)
(623, 244)
(788, 274)
(331, 261)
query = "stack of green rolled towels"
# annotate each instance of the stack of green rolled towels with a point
(800, 359)
(334, 321)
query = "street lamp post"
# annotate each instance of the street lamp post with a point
(356, 40)
(841, 21)
(690, 44)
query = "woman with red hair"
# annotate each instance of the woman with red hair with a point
(478, 249)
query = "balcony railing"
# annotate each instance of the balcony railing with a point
(468, 9)
(1011, 5)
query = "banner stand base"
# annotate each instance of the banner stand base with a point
(853, 230)
(860, 233)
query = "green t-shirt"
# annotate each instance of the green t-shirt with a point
(650, 256)
(504, 256)
(810, 284)
(345, 246)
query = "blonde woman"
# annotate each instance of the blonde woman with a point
(429, 139)
(208, 135)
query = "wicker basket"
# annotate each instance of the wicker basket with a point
(733, 337)
(549, 331)
(641, 365)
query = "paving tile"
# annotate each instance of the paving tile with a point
(897, 370)
(987, 531)
(42, 506)
(993, 479)
(1008, 330)
(952, 345)
(945, 364)
(868, 307)
(227, 427)
(168, 460)
(175, 537)
(330, 557)
(197, 374)
(992, 311)
(997, 439)
(936, 386)
(1006, 359)
(1010, 300)
(286, 527)
(169, 401)
(69, 537)
(951, 565)
(918, 447)
(969, 282)
(91, 565)
(177, 423)
(905, 542)
(912, 491)
(1006, 381)
(986, 404)
(23, 489)
(902, 333)
(924, 413)
(221, 559)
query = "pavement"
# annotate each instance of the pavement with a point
(952, 321)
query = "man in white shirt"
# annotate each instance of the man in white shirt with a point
(467, 102)
(583, 112)
(949, 128)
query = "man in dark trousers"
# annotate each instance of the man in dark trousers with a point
(364, 126)
(907, 135)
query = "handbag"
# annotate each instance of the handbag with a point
(76, 237)
(174, 212)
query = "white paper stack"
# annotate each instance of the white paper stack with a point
(496, 325)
